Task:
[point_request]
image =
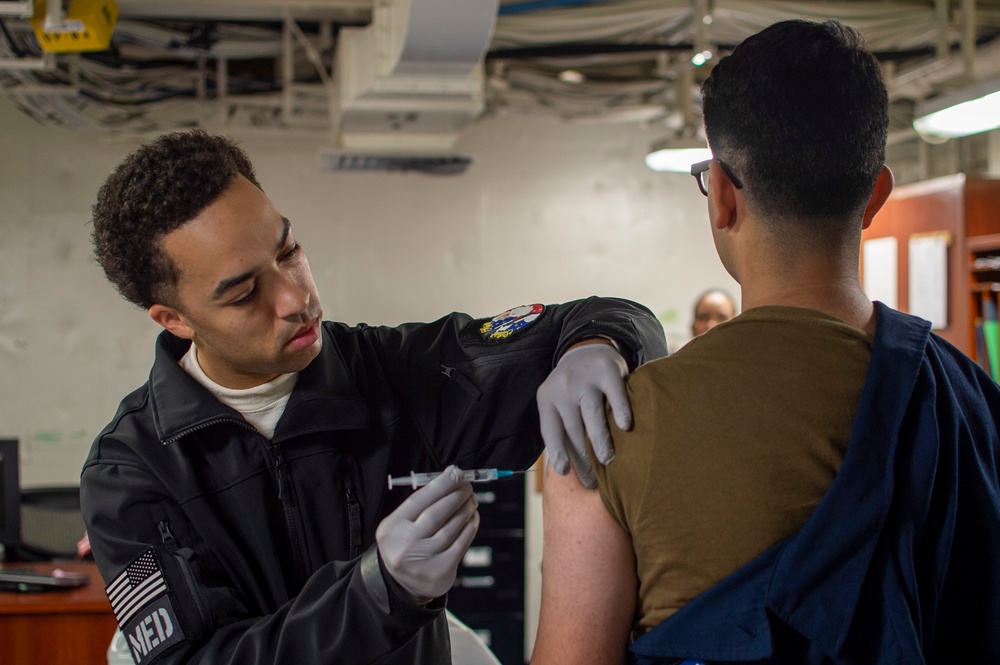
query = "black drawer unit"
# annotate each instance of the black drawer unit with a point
(488, 594)
(491, 576)
(502, 633)
(501, 505)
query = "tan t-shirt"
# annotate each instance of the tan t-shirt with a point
(737, 437)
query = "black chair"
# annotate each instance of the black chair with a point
(51, 523)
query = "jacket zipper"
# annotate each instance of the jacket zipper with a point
(174, 548)
(354, 520)
(459, 378)
(167, 537)
(282, 479)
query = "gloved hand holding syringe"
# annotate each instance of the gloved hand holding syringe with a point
(415, 480)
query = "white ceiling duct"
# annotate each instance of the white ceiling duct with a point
(18, 8)
(358, 11)
(413, 79)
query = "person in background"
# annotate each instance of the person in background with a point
(712, 307)
(83, 547)
(237, 503)
(817, 481)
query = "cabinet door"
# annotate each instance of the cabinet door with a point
(488, 595)
(932, 206)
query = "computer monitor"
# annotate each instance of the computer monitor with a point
(10, 497)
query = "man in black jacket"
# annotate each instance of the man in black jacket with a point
(237, 504)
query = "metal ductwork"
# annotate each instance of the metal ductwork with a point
(411, 80)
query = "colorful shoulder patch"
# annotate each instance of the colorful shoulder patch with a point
(145, 614)
(510, 322)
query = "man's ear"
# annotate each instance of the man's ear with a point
(172, 319)
(883, 188)
(723, 194)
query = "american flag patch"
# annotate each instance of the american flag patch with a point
(137, 586)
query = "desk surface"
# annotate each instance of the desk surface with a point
(65, 626)
(87, 599)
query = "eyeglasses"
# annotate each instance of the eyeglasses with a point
(700, 172)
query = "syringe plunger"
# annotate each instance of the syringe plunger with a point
(415, 480)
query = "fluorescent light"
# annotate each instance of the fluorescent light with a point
(678, 160)
(970, 111)
(571, 76)
(700, 58)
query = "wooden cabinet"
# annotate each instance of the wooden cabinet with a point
(71, 627)
(967, 208)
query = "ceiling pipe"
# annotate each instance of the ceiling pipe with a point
(918, 82)
(969, 38)
(685, 83)
(53, 16)
(358, 12)
(45, 63)
(941, 43)
(221, 80)
(699, 14)
(287, 67)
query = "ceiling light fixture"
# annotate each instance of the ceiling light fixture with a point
(968, 111)
(571, 76)
(676, 155)
(700, 58)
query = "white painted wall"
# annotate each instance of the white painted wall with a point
(548, 212)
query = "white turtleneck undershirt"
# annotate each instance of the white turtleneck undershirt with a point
(261, 405)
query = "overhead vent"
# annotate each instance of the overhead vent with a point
(331, 160)
(409, 82)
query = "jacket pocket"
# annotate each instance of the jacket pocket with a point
(462, 381)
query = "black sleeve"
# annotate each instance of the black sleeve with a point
(469, 384)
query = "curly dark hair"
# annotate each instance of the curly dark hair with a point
(800, 113)
(158, 188)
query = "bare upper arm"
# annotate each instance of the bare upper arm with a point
(589, 584)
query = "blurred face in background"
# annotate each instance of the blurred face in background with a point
(711, 310)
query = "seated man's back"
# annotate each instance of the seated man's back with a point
(758, 441)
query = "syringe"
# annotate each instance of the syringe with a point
(416, 480)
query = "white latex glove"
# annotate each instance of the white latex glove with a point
(423, 541)
(571, 408)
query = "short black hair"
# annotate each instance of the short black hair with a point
(158, 188)
(800, 113)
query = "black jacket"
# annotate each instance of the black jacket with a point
(221, 546)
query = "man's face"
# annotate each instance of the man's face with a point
(712, 310)
(245, 294)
